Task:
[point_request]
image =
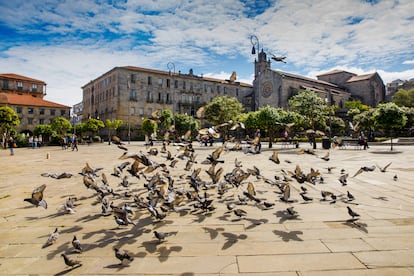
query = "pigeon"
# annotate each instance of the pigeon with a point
(76, 244)
(122, 255)
(350, 196)
(52, 238)
(291, 212)
(306, 198)
(351, 212)
(240, 213)
(325, 157)
(384, 169)
(395, 177)
(275, 157)
(162, 235)
(343, 179)
(69, 261)
(364, 169)
(37, 197)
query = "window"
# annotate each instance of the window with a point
(183, 84)
(52, 112)
(159, 97)
(149, 111)
(30, 110)
(133, 78)
(132, 95)
(42, 111)
(237, 92)
(160, 82)
(34, 87)
(132, 111)
(41, 121)
(62, 112)
(19, 85)
(149, 96)
(168, 83)
(149, 80)
(218, 89)
(30, 121)
(5, 84)
(176, 84)
(225, 90)
(141, 111)
(168, 98)
(19, 110)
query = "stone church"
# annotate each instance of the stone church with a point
(274, 88)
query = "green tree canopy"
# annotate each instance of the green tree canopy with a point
(404, 98)
(8, 120)
(389, 117)
(312, 107)
(222, 109)
(149, 126)
(94, 125)
(112, 125)
(184, 122)
(356, 104)
(61, 125)
(44, 130)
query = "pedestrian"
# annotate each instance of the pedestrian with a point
(35, 141)
(11, 145)
(31, 141)
(74, 142)
(258, 146)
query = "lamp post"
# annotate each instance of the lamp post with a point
(129, 111)
(171, 66)
(255, 44)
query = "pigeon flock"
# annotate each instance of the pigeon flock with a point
(150, 184)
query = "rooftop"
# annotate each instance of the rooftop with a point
(27, 100)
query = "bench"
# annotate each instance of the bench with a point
(293, 143)
(350, 143)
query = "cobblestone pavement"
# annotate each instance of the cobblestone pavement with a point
(321, 239)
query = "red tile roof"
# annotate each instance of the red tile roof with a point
(27, 100)
(20, 77)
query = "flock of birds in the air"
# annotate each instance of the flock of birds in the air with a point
(162, 193)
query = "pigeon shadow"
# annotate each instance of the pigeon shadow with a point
(288, 236)
(164, 252)
(255, 222)
(232, 239)
(354, 223)
(284, 216)
(66, 271)
(213, 232)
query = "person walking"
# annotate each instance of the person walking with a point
(11, 145)
(258, 146)
(74, 142)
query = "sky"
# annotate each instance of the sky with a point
(67, 43)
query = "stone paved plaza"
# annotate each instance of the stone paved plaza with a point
(321, 239)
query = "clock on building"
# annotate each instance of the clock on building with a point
(267, 89)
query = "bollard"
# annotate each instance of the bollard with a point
(47, 155)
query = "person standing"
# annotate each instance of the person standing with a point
(10, 144)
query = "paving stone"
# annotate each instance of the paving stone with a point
(360, 272)
(386, 258)
(347, 245)
(320, 261)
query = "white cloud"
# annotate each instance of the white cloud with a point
(408, 61)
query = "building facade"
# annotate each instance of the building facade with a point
(131, 94)
(26, 97)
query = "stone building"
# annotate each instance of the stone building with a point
(131, 94)
(368, 88)
(26, 97)
(274, 88)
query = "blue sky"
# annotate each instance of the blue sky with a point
(67, 43)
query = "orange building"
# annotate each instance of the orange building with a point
(26, 97)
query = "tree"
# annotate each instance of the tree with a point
(356, 104)
(389, 116)
(149, 126)
(43, 130)
(404, 98)
(312, 107)
(364, 120)
(61, 125)
(94, 125)
(184, 122)
(112, 125)
(8, 120)
(222, 109)
(268, 120)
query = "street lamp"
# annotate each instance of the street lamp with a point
(129, 111)
(255, 44)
